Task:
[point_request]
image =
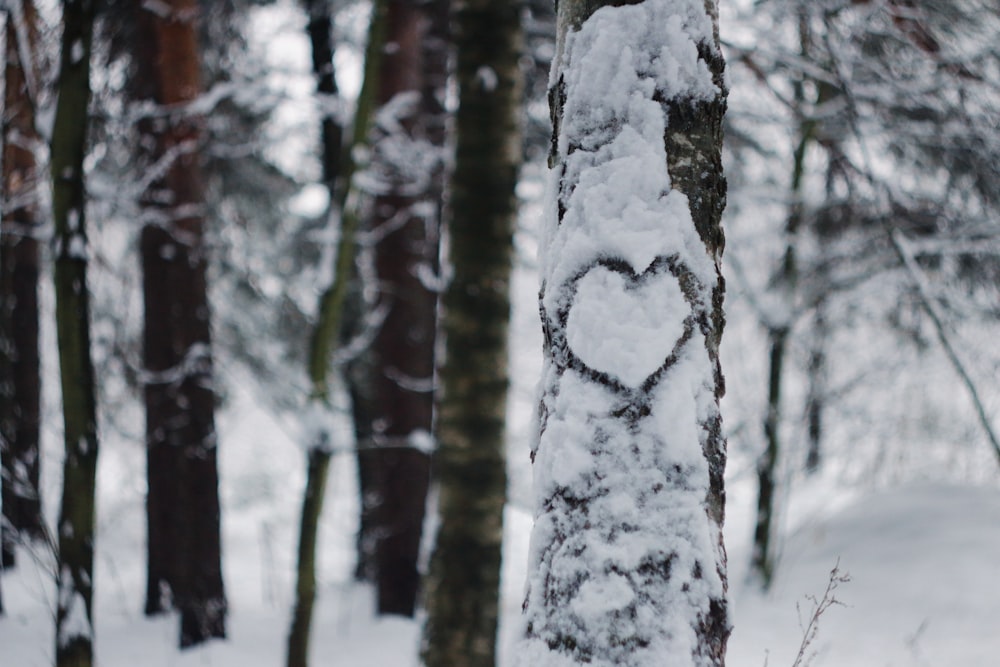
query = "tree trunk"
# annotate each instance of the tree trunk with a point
(74, 616)
(816, 393)
(462, 592)
(185, 568)
(785, 284)
(627, 565)
(305, 584)
(406, 176)
(20, 382)
(329, 319)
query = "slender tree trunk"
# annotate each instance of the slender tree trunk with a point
(406, 178)
(762, 561)
(185, 561)
(627, 565)
(462, 593)
(305, 584)
(778, 332)
(816, 394)
(20, 382)
(825, 231)
(329, 320)
(74, 610)
(358, 372)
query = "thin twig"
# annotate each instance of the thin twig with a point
(819, 607)
(899, 242)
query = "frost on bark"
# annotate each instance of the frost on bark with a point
(74, 634)
(184, 545)
(405, 179)
(462, 589)
(20, 383)
(627, 564)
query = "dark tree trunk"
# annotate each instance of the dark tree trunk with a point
(785, 284)
(404, 221)
(816, 394)
(762, 559)
(462, 594)
(74, 634)
(20, 383)
(185, 568)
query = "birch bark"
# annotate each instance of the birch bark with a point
(627, 564)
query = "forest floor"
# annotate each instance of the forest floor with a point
(923, 561)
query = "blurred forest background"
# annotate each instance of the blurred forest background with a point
(290, 225)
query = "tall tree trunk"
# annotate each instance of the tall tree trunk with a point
(20, 382)
(405, 175)
(627, 565)
(462, 592)
(825, 230)
(330, 311)
(74, 609)
(185, 563)
(785, 285)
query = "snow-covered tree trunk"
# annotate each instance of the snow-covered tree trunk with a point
(627, 564)
(184, 545)
(74, 634)
(20, 382)
(462, 590)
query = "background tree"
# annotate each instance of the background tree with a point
(74, 635)
(405, 183)
(342, 214)
(627, 564)
(463, 584)
(868, 94)
(784, 285)
(20, 382)
(184, 545)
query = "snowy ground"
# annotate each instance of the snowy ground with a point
(924, 562)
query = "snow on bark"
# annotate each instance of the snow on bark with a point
(76, 624)
(627, 564)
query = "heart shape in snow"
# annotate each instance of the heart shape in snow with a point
(622, 328)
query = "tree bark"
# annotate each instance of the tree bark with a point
(20, 382)
(185, 568)
(785, 285)
(627, 565)
(816, 398)
(329, 320)
(74, 634)
(462, 591)
(406, 179)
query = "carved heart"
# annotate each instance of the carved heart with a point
(624, 327)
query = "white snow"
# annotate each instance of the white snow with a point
(922, 559)
(622, 552)
(620, 57)
(622, 329)
(487, 78)
(76, 51)
(422, 441)
(924, 575)
(75, 625)
(77, 247)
